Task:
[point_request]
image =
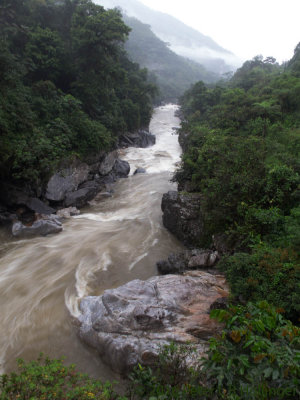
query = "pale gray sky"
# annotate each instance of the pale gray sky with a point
(245, 27)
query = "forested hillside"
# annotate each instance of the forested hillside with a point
(67, 88)
(183, 40)
(242, 146)
(174, 74)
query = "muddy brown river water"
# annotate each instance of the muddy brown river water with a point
(112, 242)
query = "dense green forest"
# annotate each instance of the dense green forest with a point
(172, 73)
(242, 144)
(67, 87)
(68, 90)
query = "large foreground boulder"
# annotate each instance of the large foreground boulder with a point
(128, 325)
(182, 216)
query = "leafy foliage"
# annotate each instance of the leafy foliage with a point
(256, 356)
(241, 152)
(267, 273)
(66, 85)
(172, 378)
(47, 379)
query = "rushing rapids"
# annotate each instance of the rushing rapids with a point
(113, 241)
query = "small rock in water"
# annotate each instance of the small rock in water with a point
(67, 212)
(42, 226)
(139, 170)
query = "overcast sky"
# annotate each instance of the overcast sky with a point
(245, 27)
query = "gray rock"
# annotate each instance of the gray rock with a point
(108, 163)
(14, 197)
(129, 324)
(178, 263)
(67, 212)
(66, 181)
(42, 226)
(182, 216)
(139, 170)
(80, 197)
(141, 138)
(203, 259)
(121, 168)
(38, 206)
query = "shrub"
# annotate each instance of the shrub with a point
(257, 355)
(47, 379)
(268, 273)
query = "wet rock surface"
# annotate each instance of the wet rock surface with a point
(42, 226)
(139, 170)
(66, 181)
(178, 263)
(127, 325)
(141, 138)
(66, 213)
(182, 216)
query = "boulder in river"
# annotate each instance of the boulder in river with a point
(141, 138)
(121, 168)
(182, 216)
(129, 324)
(85, 193)
(42, 226)
(66, 181)
(139, 170)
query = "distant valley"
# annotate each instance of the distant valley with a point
(183, 40)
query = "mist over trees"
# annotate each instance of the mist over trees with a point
(172, 73)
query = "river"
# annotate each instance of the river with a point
(112, 242)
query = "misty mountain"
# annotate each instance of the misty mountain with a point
(183, 40)
(172, 73)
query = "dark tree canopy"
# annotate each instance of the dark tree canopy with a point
(67, 87)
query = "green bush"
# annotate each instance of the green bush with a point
(47, 379)
(171, 378)
(257, 356)
(268, 273)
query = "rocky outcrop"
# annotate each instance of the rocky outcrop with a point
(66, 181)
(12, 197)
(182, 216)
(177, 263)
(78, 184)
(141, 138)
(42, 226)
(129, 324)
